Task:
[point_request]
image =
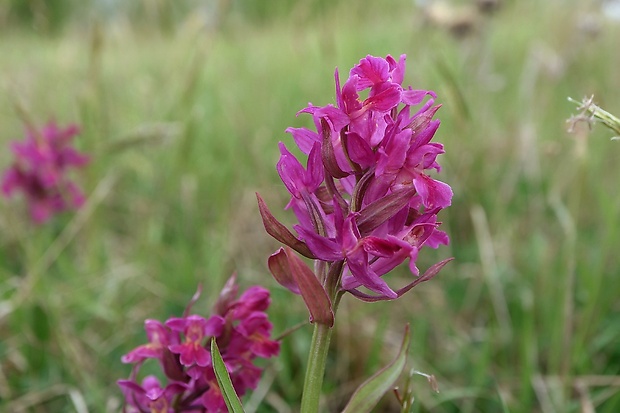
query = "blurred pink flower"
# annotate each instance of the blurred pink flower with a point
(242, 331)
(40, 171)
(159, 340)
(195, 328)
(150, 396)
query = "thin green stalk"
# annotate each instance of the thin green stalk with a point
(319, 347)
(315, 371)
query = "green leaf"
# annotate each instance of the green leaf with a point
(372, 390)
(223, 380)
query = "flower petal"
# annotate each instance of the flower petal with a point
(434, 194)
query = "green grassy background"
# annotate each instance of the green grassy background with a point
(182, 120)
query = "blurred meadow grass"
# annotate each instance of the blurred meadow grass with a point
(182, 112)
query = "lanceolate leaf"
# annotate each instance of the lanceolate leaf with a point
(223, 380)
(327, 153)
(372, 390)
(311, 290)
(281, 271)
(375, 214)
(279, 231)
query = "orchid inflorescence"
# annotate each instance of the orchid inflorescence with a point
(365, 201)
(242, 331)
(40, 171)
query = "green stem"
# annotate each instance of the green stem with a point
(315, 371)
(319, 347)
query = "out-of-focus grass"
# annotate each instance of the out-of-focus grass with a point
(183, 126)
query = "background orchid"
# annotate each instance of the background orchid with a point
(40, 170)
(242, 330)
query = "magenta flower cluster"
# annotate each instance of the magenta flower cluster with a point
(365, 201)
(242, 331)
(40, 171)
